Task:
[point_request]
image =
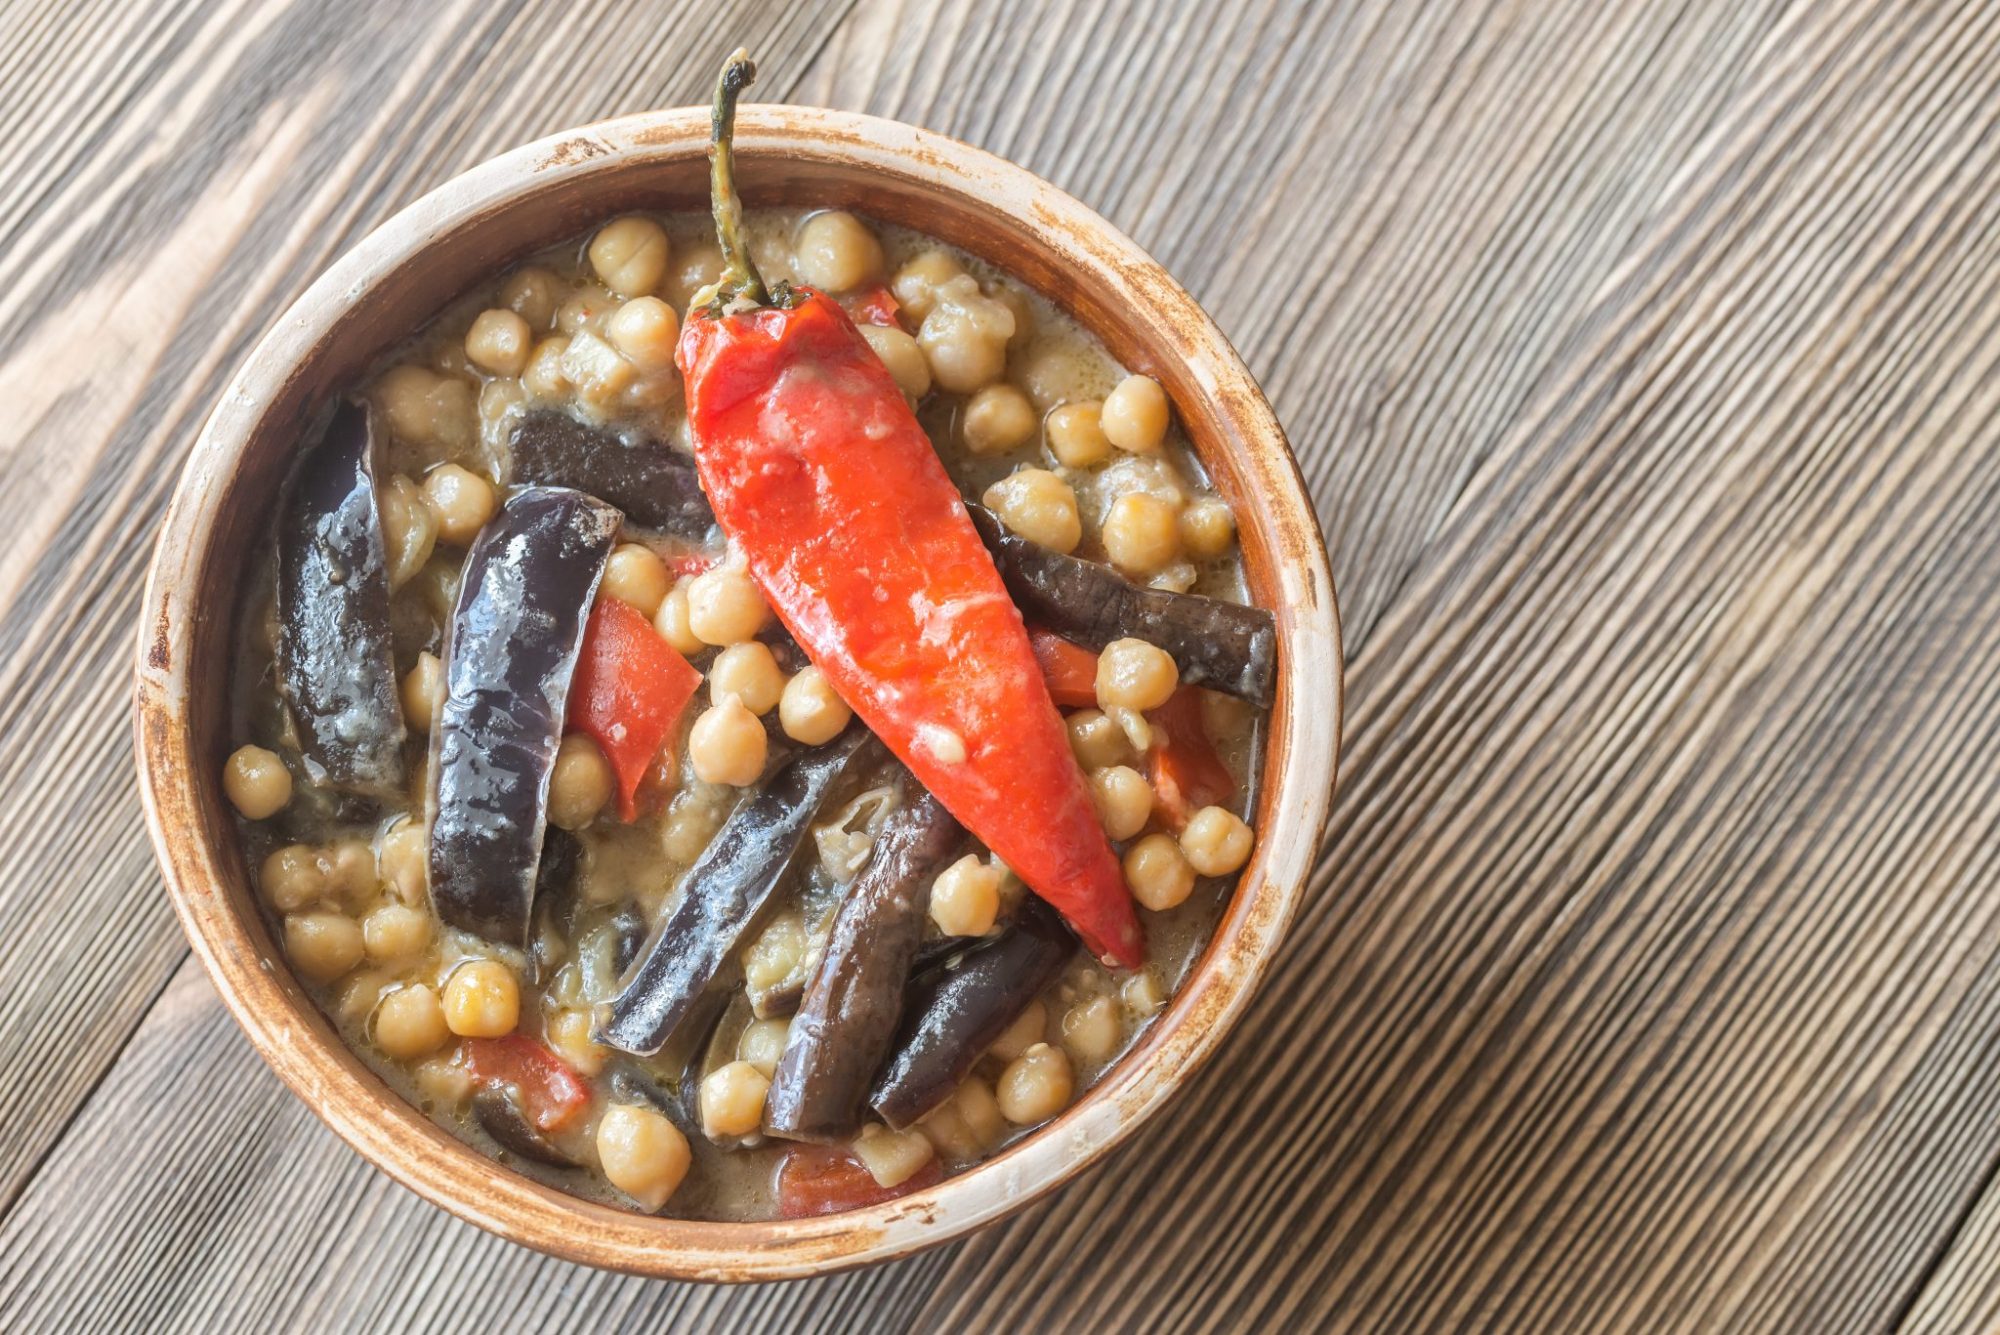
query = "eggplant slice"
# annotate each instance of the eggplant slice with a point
(854, 1000)
(655, 484)
(1224, 646)
(514, 640)
(724, 892)
(336, 666)
(501, 1118)
(956, 1011)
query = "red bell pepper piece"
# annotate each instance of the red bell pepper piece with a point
(1068, 670)
(819, 473)
(552, 1095)
(1187, 774)
(823, 1179)
(875, 305)
(629, 693)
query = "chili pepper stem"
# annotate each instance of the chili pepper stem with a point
(739, 276)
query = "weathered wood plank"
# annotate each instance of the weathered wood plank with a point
(1653, 978)
(171, 222)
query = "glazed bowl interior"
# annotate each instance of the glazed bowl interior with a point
(389, 287)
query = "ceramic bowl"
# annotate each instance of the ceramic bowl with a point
(478, 223)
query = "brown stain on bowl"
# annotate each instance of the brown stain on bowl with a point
(399, 277)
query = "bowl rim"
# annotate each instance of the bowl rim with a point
(362, 1109)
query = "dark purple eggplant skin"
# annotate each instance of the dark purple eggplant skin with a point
(1224, 646)
(499, 1117)
(336, 666)
(511, 651)
(655, 484)
(725, 891)
(854, 999)
(955, 1012)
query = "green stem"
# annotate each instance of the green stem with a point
(739, 275)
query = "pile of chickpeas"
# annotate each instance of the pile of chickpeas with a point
(1027, 412)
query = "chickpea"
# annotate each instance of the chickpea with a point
(630, 255)
(732, 1100)
(1207, 529)
(350, 870)
(1142, 533)
(1035, 1086)
(892, 1157)
(1124, 800)
(292, 877)
(691, 822)
(965, 897)
(1158, 873)
(322, 946)
(727, 744)
(544, 377)
(580, 783)
(693, 268)
(533, 294)
(569, 1035)
(1075, 437)
(409, 1022)
(596, 369)
(899, 352)
(1096, 740)
(981, 1112)
(422, 691)
(1132, 674)
(725, 606)
(1053, 373)
(916, 283)
(1091, 1030)
(402, 860)
(1028, 1029)
(427, 409)
(636, 575)
(1039, 506)
(354, 1000)
(1135, 415)
(257, 782)
(999, 418)
(964, 337)
(836, 252)
(482, 999)
(1141, 995)
(409, 529)
(462, 502)
(642, 1153)
(672, 623)
(645, 329)
(777, 954)
(444, 1081)
(810, 710)
(1216, 841)
(395, 932)
(763, 1043)
(499, 342)
(749, 672)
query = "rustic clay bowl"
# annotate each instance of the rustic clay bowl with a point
(404, 273)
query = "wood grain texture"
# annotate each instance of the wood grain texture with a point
(1642, 359)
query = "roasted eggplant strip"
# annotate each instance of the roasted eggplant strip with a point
(1223, 646)
(651, 481)
(515, 636)
(336, 663)
(854, 1000)
(501, 1118)
(725, 891)
(955, 1012)
(630, 1084)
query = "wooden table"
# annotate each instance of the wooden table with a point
(1643, 361)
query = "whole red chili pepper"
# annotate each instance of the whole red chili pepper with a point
(821, 476)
